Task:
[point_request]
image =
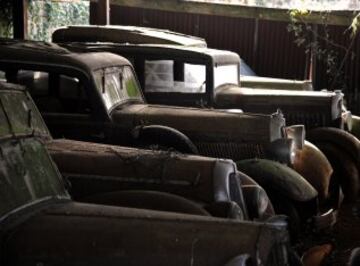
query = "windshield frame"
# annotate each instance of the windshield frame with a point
(122, 102)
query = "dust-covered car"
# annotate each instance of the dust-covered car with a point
(92, 169)
(142, 35)
(96, 97)
(40, 224)
(202, 77)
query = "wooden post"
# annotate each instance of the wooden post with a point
(100, 12)
(20, 8)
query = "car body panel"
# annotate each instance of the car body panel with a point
(124, 34)
(83, 234)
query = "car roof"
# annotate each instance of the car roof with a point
(161, 50)
(43, 53)
(123, 34)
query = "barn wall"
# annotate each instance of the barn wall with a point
(266, 46)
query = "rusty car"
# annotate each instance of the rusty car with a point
(93, 169)
(96, 97)
(145, 35)
(202, 77)
(41, 224)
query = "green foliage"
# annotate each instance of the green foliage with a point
(5, 18)
(46, 15)
(316, 40)
(355, 25)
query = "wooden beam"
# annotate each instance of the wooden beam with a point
(20, 8)
(100, 12)
(231, 10)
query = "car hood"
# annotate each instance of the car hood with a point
(266, 100)
(275, 83)
(204, 124)
(85, 234)
(103, 168)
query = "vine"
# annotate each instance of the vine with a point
(319, 43)
(47, 15)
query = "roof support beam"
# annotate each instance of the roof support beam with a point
(20, 8)
(100, 12)
(231, 10)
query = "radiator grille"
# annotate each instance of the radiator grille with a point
(234, 151)
(310, 120)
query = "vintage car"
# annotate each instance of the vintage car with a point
(141, 35)
(96, 97)
(202, 77)
(41, 225)
(93, 169)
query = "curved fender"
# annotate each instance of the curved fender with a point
(258, 202)
(344, 140)
(315, 256)
(355, 129)
(164, 136)
(345, 170)
(241, 260)
(313, 165)
(143, 199)
(278, 178)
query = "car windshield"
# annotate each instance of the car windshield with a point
(117, 85)
(23, 116)
(27, 175)
(174, 76)
(226, 74)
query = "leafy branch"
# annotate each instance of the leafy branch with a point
(6, 18)
(317, 41)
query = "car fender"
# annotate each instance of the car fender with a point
(338, 137)
(276, 177)
(346, 173)
(313, 165)
(151, 200)
(164, 136)
(355, 129)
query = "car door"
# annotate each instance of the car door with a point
(65, 105)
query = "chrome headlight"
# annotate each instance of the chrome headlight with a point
(297, 134)
(282, 150)
(346, 118)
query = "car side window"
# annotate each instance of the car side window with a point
(160, 76)
(54, 92)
